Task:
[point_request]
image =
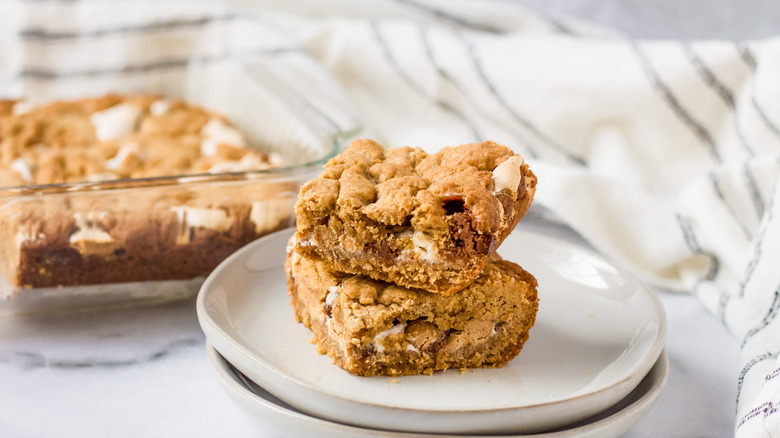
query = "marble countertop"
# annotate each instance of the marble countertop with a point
(143, 372)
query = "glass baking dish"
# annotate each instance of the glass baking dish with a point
(72, 246)
(79, 245)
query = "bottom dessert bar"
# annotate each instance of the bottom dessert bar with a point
(373, 328)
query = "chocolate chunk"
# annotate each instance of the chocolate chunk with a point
(461, 229)
(486, 243)
(383, 253)
(521, 188)
(454, 205)
(463, 232)
(368, 351)
(425, 336)
(506, 202)
(434, 346)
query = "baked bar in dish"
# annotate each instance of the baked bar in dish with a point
(370, 327)
(119, 213)
(410, 218)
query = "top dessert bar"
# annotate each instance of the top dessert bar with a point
(417, 220)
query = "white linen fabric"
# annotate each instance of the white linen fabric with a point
(664, 155)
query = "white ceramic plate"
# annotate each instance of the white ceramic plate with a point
(286, 421)
(598, 333)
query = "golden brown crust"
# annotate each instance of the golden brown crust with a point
(114, 137)
(386, 185)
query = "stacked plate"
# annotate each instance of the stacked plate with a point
(593, 366)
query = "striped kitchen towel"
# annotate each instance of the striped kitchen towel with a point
(664, 155)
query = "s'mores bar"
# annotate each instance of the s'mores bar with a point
(113, 219)
(417, 220)
(370, 327)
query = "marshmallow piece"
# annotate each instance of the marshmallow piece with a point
(116, 122)
(26, 235)
(88, 231)
(215, 133)
(22, 107)
(22, 167)
(212, 218)
(249, 162)
(120, 157)
(423, 246)
(90, 238)
(333, 293)
(275, 159)
(159, 107)
(507, 175)
(394, 330)
(268, 214)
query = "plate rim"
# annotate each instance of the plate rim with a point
(635, 375)
(645, 401)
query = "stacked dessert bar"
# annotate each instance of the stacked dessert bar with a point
(393, 264)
